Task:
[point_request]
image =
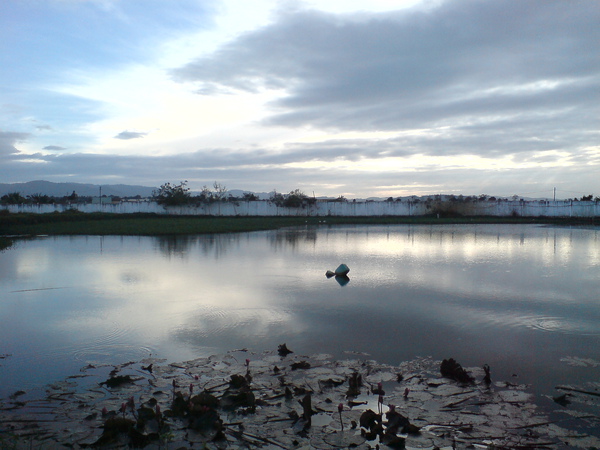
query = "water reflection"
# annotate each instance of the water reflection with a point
(294, 238)
(219, 246)
(516, 297)
(5, 243)
(342, 280)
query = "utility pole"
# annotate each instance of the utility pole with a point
(100, 197)
(554, 194)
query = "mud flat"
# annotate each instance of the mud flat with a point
(283, 400)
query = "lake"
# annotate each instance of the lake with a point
(524, 299)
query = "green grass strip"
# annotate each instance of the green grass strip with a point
(76, 223)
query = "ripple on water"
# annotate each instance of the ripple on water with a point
(116, 345)
(549, 324)
(561, 325)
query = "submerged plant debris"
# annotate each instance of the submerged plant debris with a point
(274, 401)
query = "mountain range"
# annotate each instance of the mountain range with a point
(84, 190)
(122, 190)
(92, 190)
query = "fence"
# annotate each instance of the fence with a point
(370, 208)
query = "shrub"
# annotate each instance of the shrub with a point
(173, 194)
(13, 198)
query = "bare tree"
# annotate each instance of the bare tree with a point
(220, 191)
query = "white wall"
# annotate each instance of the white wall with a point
(265, 208)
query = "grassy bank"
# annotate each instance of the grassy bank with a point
(75, 223)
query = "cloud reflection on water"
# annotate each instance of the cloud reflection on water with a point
(414, 290)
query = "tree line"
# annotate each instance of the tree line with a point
(16, 198)
(180, 195)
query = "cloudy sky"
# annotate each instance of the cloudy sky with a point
(337, 97)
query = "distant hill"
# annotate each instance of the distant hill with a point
(85, 190)
(93, 190)
(240, 193)
(125, 190)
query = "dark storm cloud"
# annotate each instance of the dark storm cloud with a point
(130, 135)
(525, 74)
(8, 139)
(260, 173)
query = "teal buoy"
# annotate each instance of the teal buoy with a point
(342, 270)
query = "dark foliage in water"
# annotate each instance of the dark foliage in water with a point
(453, 370)
(283, 351)
(301, 408)
(118, 380)
(354, 385)
(300, 365)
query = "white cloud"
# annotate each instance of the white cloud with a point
(126, 135)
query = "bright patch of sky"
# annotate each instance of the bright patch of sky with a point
(336, 97)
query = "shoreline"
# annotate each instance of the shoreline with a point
(77, 223)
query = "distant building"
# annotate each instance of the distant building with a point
(105, 200)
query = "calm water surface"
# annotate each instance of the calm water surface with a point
(524, 299)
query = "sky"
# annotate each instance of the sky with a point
(360, 98)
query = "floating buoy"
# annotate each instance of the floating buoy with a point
(342, 270)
